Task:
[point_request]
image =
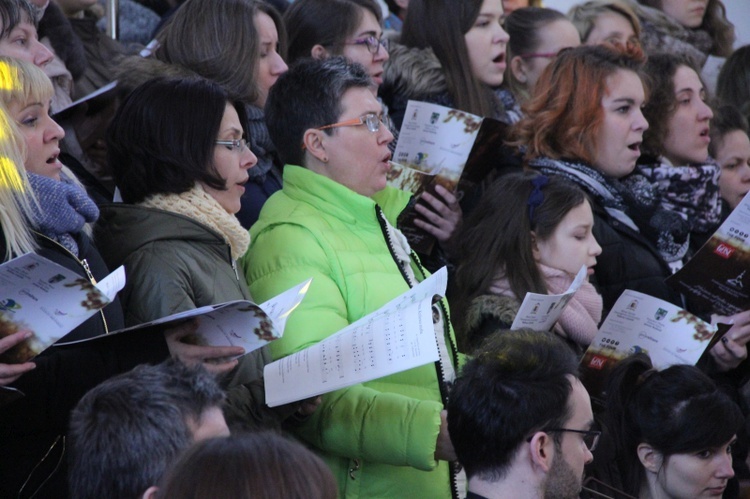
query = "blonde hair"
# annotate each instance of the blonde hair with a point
(29, 83)
(584, 16)
(16, 196)
(22, 82)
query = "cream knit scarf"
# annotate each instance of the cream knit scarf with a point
(198, 205)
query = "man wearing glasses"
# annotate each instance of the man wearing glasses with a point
(520, 420)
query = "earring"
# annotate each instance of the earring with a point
(324, 159)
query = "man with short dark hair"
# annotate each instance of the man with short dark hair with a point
(520, 420)
(127, 430)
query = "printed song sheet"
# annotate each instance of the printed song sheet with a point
(641, 323)
(236, 323)
(718, 275)
(49, 300)
(540, 312)
(433, 146)
(398, 336)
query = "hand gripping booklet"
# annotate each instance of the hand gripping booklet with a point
(398, 336)
(438, 145)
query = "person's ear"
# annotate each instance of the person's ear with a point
(319, 52)
(535, 248)
(518, 68)
(151, 493)
(402, 4)
(314, 144)
(650, 458)
(541, 449)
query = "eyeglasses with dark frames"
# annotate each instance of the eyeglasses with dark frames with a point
(373, 44)
(590, 437)
(371, 120)
(238, 145)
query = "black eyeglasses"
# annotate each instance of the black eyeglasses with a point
(590, 437)
(373, 44)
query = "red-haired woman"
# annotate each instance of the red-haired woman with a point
(585, 123)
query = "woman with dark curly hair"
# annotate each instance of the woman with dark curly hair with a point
(675, 159)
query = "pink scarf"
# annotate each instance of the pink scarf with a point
(580, 319)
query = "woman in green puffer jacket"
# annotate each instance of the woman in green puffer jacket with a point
(334, 220)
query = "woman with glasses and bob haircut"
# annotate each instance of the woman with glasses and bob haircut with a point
(181, 170)
(334, 220)
(672, 430)
(353, 29)
(242, 47)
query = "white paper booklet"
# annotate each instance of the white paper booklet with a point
(436, 139)
(396, 337)
(235, 323)
(433, 146)
(49, 300)
(641, 323)
(540, 312)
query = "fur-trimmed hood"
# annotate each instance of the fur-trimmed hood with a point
(490, 307)
(484, 315)
(413, 73)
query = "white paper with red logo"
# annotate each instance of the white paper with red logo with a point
(718, 275)
(639, 323)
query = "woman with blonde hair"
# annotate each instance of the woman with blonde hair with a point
(47, 215)
(600, 21)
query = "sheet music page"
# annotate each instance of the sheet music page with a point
(398, 336)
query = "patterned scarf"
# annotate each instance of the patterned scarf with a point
(633, 201)
(605, 190)
(198, 205)
(691, 190)
(63, 210)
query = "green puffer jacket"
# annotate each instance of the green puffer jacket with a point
(378, 437)
(173, 264)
